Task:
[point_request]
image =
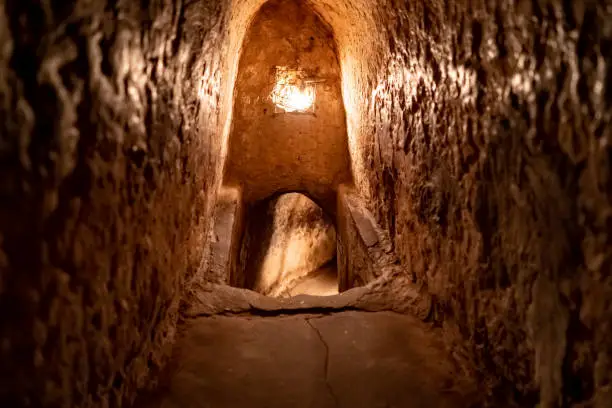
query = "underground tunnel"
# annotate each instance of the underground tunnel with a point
(171, 171)
(288, 133)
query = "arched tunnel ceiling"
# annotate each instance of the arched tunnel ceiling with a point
(269, 151)
(356, 25)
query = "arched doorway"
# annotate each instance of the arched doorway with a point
(289, 248)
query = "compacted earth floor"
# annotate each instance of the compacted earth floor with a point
(341, 359)
(322, 282)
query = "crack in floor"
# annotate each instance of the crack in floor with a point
(326, 364)
(315, 310)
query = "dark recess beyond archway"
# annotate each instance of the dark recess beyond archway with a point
(289, 248)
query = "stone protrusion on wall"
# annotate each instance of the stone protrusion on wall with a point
(362, 253)
(227, 226)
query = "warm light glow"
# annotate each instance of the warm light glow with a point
(291, 92)
(290, 98)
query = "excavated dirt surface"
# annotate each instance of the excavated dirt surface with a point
(346, 359)
(322, 282)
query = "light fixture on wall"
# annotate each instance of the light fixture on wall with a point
(293, 92)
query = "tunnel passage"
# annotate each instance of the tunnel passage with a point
(289, 248)
(479, 134)
(288, 133)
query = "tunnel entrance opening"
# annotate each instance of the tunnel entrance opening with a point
(289, 248)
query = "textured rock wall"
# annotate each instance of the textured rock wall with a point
(358, 236)
(479, 132)
(224, 247)
(110, 119)
(287, 238)
(485, 143)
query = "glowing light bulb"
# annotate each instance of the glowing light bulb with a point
(295, 99)
(290, 97)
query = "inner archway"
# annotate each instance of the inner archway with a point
(288, 134)
(289, 248)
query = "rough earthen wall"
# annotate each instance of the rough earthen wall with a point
(486, 148)
(110, 115)
(356, 236)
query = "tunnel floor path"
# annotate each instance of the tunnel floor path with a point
(322, 282)
(337, 360)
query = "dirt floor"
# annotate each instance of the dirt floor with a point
(343, 359)
(322, 282)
